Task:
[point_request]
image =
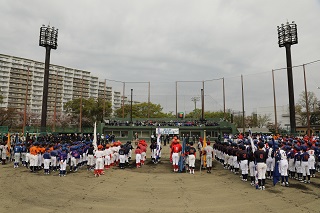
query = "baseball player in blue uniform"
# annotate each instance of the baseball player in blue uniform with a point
(261, 157)
(304, 165)
(17, 154)
(63, 162)
(46, 161)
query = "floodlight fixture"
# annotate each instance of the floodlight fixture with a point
(48, 37)
(287, 34)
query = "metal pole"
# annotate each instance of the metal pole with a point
(201, 105)
(290, 90)
(202, 114)
(45, 91)
(307, 101)
(104, 98)
(224, 99)
(123, 94)
(80, 122)
(176, 99)
(149, 99)
(25, 104)
(242, 106)
(274, 103)
(55, 106)
(131, 107)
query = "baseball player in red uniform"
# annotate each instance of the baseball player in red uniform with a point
(176, 151)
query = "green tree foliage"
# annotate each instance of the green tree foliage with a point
(196, 114)
(237, 120)
(315, 118)
(217, 114)
(272, 128)
(142, 110)
(92, 110)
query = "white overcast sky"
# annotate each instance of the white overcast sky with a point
(164, 41)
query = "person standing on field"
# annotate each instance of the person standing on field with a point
(261, 157)
(176, 149)
(192, 158)
(208, 151)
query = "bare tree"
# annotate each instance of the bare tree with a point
(263, 120)
(301, 109)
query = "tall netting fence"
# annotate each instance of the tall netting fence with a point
(255, 91)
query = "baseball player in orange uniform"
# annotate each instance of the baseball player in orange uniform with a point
(33, 158)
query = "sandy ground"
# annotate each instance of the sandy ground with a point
(152, 188)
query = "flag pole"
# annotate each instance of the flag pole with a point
(94, 142)
(158, 150)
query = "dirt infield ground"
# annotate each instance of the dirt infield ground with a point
(152, 188)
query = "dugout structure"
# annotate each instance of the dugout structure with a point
(124, 130)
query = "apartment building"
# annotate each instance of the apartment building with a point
(21, 78)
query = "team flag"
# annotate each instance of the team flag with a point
(203, 146)
(158, 146)
(276, 173)
(254, 148)
(182, 157)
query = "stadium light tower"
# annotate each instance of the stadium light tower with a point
(195, 100)
(287, 36)
(48, 39)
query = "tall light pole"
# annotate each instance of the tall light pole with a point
(287, 36)
(48, 39)
(195, 99)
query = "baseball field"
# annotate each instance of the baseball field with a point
(151, 188)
